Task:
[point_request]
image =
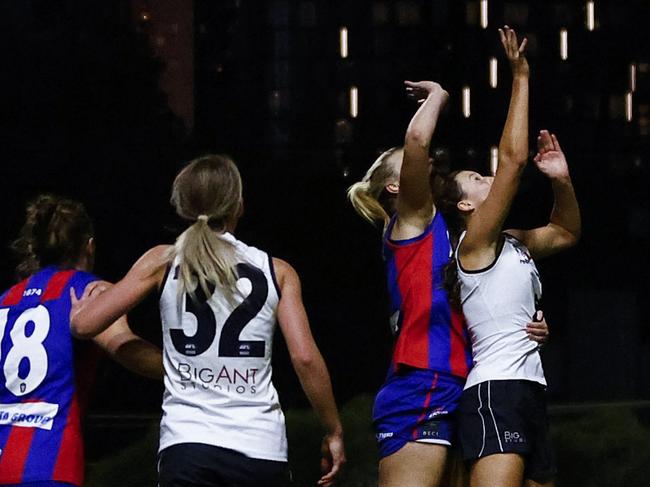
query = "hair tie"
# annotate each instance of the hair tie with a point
(203, 218)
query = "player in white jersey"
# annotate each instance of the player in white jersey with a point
(222, 424)
(502, 412)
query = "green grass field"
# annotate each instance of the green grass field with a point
(609, 447)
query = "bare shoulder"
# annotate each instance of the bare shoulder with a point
(158, 252)
(285, 273)
(153, 262)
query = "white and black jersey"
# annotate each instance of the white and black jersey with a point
(217, 359)
(498, 302)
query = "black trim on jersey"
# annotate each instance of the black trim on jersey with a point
(512, 236)
(273, 278)
(164, 281)
(502, 242)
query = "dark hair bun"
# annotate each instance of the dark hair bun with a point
(55, 232)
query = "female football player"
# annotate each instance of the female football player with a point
(502, 412)
(44, 367)
(222, 424)
(414, 409)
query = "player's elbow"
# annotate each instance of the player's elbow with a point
(571, 239)
(81, 333)
(304, 361)
(417, 139)
(567, 238)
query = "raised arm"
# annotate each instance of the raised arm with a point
(310, 368)
(564, 226)
(484, 227)
(95, 312)
(415, 201)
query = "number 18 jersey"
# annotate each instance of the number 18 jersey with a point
(40, 435)
(217, 358)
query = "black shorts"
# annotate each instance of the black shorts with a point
(199, 465)
(507, 416)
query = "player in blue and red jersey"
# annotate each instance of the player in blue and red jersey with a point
(42, 367)
(414, 409)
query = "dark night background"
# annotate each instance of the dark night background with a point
(84, 115)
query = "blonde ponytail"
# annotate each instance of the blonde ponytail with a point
(368, 196)
(367, 205)
(208, 191)
(207, 260)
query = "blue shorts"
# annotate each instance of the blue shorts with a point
(416, 405)
(43, 483)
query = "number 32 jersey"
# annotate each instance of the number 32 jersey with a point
(40, 437)
(217, 358)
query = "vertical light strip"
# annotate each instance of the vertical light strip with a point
(591, 15)
(494, 159)
(354, 102)
(484, 14)
(628, 106)
(343, 42)
(632, 77)
(493, 72)
(466, 102)
(564, 44)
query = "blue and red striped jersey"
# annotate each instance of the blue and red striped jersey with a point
(430, 334)
(40, 431)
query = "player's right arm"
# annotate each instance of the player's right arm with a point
(479, 247)
(96, 311)
(415, 207)
(310, 368)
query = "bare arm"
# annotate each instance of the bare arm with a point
(310, 367)
(564, 227)
(131, 351)
(415, 202)
(485, 226)
(94, 314)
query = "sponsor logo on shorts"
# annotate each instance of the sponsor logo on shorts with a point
(437, 412)
(513, 437)
(29, 415)
(226, 379)
(430, 430)
(383, 436)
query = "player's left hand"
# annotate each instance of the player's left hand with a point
(550, 159)
(333, 458)
(537, 330)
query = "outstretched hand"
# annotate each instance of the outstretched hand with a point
(333, 459)
(421, 90)
(550, 159)
(514, 51)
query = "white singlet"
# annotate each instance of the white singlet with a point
(497, 303)
(217, 359)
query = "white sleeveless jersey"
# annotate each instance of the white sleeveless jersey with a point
(217, 359)
(498, 302)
